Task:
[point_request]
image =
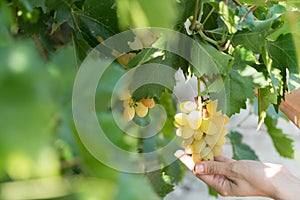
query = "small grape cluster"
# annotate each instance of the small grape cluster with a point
(131, 107)
(201, 127)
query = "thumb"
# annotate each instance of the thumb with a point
(212, 167)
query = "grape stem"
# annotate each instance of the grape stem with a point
(199, 86)
(193, 25)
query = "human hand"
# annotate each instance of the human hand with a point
(291, 106)
(244, 178)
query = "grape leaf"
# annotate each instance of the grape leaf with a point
(228, 17)
(241, 151)
(144, 13)
(254, 2)
(281, 141)
(159, 183)
(239, 85)
(90, 29)
(104, 12)
(283, 53)
(144, 56)
(212, 192)
(253, 41)
(134, 186)
(266, 96)
(82, 48)
(31, 4)
(154, 80)
(254, 34)
(208, 60)
(175, 172)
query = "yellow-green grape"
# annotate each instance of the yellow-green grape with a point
(207, 153)
(181, 119)
(196, 157)
(217, 150)
(140, 109)
(195, 119)
(198, 135)
(187, 142)
(221, 141)
(198, 145)
(186, 132)
(188, 106)
(212, 139)
(148, 102)
(128, 113)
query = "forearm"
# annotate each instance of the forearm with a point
(286, 188)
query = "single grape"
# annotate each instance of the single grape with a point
(128, 113)
(140, 109)
(148, 102)
(181, 119)
(195, 119)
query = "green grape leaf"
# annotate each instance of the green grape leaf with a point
(106, 86)
(154, 79)
(55, 4)
(212, 192)
(266, 96)
(228, 17)
(6, 20)
(282, 143)
(144, 56)
(253, 2)
(208, 60)
(31, 4)
(135, 186)
(144, 13)
(169, 104)
(104, 12)
(283, 53)
(239, 86)
(160, 183)
(82, 48)
(254, 34)
(175, 172)
(241, 151)
(253, 41)
(90, 29)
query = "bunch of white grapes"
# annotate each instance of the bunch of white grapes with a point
(201, 127)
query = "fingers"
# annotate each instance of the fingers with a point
(185, 159)
(222, 167)
(223, 159)
(211, 167)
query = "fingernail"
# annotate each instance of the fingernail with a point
(179, 153)
(199, 168)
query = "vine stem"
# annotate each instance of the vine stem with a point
(208, 15)
(199, 86)
(237, 3)
(200, 13)
(193, 25)
(40, 47)
(207, 38)
(246, 15)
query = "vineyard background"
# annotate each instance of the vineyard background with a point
(251, 44)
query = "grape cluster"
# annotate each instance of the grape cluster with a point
(201, 127)
(131, 107)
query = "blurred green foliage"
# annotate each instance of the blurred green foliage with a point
(42, 44)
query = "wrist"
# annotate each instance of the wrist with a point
(286, 188)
